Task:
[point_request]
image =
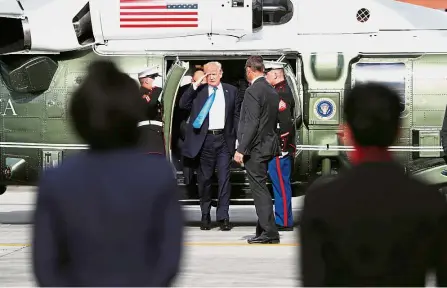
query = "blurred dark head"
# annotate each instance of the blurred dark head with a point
(372, 115)
(106, 108)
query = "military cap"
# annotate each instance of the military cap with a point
(151, 71)
(272, 65)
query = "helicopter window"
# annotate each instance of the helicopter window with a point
(390, 74)
(277, 12)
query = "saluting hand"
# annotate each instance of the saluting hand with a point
(238, 157)
(199, 82)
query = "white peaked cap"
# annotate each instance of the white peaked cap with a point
(148, 71)
(272, 65)
(186, 80)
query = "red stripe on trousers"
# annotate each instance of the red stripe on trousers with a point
(283, 190)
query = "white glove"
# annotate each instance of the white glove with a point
(283, 154)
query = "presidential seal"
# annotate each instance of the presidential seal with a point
(324, 109)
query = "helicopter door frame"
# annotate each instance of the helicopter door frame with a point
(170, 89)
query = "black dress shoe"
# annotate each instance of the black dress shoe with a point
(283, 228)
(263, 240)
(225, 225)
(206, 222)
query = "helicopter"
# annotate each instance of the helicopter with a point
(325, 47)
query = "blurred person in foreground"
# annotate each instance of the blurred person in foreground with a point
(109, 216)
(373, 225)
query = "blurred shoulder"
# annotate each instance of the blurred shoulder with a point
(322, 185)
(51, 178)
(432, 196)
(158, 164)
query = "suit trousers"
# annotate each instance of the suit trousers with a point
(256, 168)
(214, 154)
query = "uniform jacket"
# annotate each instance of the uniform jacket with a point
(108, 219)
(194, 100)
(373, 226)
(285, 117)
(150, 99)
(257, 131)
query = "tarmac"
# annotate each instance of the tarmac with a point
(211, 258)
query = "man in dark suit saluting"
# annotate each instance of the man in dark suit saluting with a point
(211, 135)
(258, 144)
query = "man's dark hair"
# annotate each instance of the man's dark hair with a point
(106, 108)
(372, 111)
(255, 62)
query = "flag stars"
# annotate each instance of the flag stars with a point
(182, 6)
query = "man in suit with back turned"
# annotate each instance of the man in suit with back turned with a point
(211, 136)
(258, 144)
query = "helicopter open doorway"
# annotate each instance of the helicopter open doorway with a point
(234, 74)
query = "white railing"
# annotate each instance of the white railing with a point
(24, 145)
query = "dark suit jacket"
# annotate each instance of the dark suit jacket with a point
(108, 219)
(259, 119)
(373, 226)
(194, 100)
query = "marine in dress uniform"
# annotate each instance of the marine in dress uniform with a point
(280, 167)
(151, 140)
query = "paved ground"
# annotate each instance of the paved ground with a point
(212, 258)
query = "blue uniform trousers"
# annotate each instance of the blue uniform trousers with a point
(279, 170)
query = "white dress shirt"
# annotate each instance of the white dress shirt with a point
(217, 111)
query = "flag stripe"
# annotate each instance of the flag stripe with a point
(144, 7)
(137, 1)
(159, 25)
(157, 13)
(157, 19)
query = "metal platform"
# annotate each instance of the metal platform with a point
(17, 205)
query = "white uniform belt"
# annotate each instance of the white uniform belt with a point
(150, 122)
